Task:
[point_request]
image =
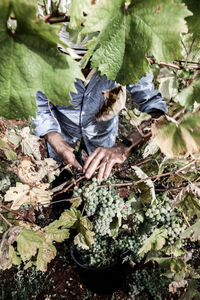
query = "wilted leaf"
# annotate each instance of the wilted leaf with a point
(172, 163)
(191, 189)
(148, 183)
(151, 149)
(136, 117)
(76, 202)
(8, 151)
(168, 83)
(155, 242)
(115, 102)
(45, 255)
(7, 253)
(85, 236)
(24, 194)
(176, 139)
(34, 173)
(115, 225)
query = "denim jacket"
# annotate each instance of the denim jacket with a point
(78, 120)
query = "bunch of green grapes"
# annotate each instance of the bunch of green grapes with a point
(110, 205)
(89, 195)
(106, 250)
(160, 213)
(101, 253)
(149, 285)
(103, 203)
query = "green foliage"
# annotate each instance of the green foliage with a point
(145, 284)
(76, 12)
(193, 21)
(133, 30)
(33, 44)
(193, 232)
(155, 242)
(189, 95)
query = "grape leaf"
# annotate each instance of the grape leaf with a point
(132, 31)
(8, 151)
(190, 94)
(168, 83)
(7, 253)
(30, 62)
(155, 242)
(115, 102)
(174, 265)
(178, 139)
(25, 194)
(149, 183)
(84, 239)
(151, 149)
(192, 232)
(194, 21)
(76, 12)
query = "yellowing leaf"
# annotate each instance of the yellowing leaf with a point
(24, 194)
(9, 153)
(178, 139)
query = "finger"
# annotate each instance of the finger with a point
(90, 158)
(76, 165)
(84, 155)
(94, 164)
(108, 168)
(101, 170)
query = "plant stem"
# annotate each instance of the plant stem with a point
(5, 220)
(187, 222)
(148, 178)
(45, 6)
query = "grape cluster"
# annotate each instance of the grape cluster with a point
(110, 205)
(90, 196)
(149, 285)
(160, 214)
(103, 203)
(106, 250)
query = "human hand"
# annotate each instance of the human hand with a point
(63, 149)
(104, 159)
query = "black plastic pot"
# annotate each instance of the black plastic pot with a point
(103, 279)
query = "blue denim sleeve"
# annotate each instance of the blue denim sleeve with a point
(145, 95)
(45, 121)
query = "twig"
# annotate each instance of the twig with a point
(189, 52)
(184, 48)
(68, 187)
(45, 6)
(170, 65)
(187, 222)
(57, 7)
(148, 178)
(193, 77)
(7, 222)
(179, 113)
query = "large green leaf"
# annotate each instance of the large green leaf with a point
(194, 21)
(128, 33)
(30, 61)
